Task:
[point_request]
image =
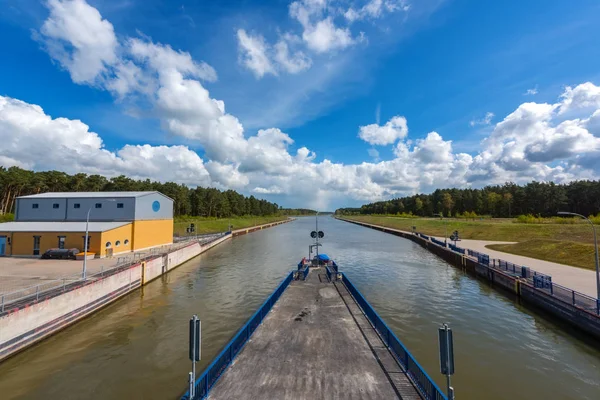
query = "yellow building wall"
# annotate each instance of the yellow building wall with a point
(113, 236)
(141, 235)
(22, 242)
(150, 233)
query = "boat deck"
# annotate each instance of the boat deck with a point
(315, 344)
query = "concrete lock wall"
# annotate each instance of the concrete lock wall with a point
(27, 324)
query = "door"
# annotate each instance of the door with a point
(61, 242)
(36, 245)
(2, 246)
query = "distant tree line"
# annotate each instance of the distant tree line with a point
(507, 200)
(199, 201)
(296, 211)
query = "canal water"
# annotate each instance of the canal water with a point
(137, 348)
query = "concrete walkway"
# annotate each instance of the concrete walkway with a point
(578, 279)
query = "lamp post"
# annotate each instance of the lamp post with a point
(595, 248)
(445, 226)
(85, 243)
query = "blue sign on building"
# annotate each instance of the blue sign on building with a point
(156, 206)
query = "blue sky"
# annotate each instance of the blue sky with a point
(464, 70)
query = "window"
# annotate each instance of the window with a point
(35, 205)
(108, 245)
(118, 243)
(88, 243)
(61, 242)
(76, 205)
(36, 245)
(119, 205)
(98, 205)
(126, 241)
(55, 205)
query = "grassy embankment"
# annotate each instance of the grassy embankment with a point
(570, 244)
(211, 225)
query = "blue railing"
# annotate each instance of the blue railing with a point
(456, 248)
(303, 270)
(422, 381)
(438, 242)
(211, 374)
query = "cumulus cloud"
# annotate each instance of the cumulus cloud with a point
(320, 33)
(79, 39)
(34, 140)
(584, 97)
(253, 54)
(541, 141)
(262, 59)
(396, 128)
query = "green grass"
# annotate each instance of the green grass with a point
(563, 252)
(211, 225)
(489, 229)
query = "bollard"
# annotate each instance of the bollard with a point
(37, 292)
(2, 304)
(64, 284)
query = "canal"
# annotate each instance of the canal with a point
(137, 348)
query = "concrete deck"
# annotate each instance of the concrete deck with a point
(314, 344)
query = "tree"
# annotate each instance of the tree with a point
(418, 206)
(448, 203)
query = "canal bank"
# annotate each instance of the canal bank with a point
(136, 348)
(34, 318)
(575, 309)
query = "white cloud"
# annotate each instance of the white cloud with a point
(537, 141)
(34, 140)
(373, 153)
(396, 128)
(324, 36)
(319, 30)
(584, 97)
(292, 63)
(78, 38)
(253, 54)
(262, 59)
(486, 120)
(531, 92)
(270, 190)
(374, 9)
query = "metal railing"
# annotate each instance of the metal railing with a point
(213, 372)
(31, 294)
(419, 377)
(303, 271)
(456, 248)
(438, 242)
